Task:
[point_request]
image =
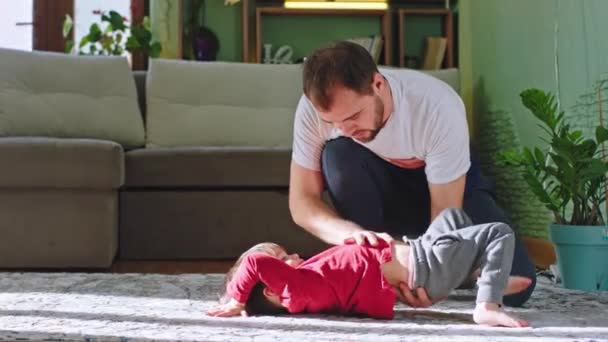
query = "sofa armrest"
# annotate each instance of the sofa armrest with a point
(36, 162)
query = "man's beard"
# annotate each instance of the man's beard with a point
(378, 124)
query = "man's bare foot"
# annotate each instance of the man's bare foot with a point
(516, 284)
(491, 314)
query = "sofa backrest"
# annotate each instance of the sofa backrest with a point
(220, 104)
(227, 104)
(67, 96)
(450, 76)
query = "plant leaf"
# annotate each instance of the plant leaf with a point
(601, 134)
(68, 23)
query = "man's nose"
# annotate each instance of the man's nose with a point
(346, 128)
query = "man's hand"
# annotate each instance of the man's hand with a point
(230, 309)
(366, 236)
(418, 300)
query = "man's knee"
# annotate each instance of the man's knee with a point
(523, 267)
(341, 153)
(519, 299)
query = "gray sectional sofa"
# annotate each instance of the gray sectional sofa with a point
(186, 161)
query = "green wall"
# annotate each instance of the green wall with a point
(225, 21)
(508, 46)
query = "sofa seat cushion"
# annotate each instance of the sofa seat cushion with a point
(208, 167)
(60, 163)
(66, 96)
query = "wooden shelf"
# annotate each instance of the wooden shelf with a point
(447, 28)
(383, 16)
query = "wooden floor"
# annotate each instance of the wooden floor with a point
(172, 267)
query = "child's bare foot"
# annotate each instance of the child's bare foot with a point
(516, 284)
(491, 314)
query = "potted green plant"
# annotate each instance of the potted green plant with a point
(117, 36)
(569, 178)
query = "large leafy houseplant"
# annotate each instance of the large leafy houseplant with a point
(115, 38)
(569, 177)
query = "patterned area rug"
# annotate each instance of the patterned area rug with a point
(132, 307)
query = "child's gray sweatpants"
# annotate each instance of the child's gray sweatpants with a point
(452, 248)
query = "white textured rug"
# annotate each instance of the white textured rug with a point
(132, 307)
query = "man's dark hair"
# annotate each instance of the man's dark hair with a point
(343, 64)
(258, 304)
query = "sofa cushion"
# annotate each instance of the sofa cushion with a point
(67, 96)
(208, 167)
(60, 163)
(221, 104)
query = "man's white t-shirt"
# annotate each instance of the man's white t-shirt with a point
(427, 128)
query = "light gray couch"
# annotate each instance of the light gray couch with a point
(198, 169)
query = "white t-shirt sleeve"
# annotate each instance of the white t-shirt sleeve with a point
(308, 140)
(447, 145)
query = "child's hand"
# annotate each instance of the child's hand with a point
(491, 314)
(230, 309)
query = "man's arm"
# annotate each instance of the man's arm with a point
(310, 212)
(449, 195)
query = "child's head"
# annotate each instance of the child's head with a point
(261, 300)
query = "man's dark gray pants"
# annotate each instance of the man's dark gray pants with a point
(380, 196)
(452, 248)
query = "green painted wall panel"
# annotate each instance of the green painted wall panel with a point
(557, 45)
(225, 21)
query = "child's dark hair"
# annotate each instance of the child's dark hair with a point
(257, 303)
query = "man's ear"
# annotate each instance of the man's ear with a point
(378, 82)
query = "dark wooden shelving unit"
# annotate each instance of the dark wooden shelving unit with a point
(382, 15)
(447, 28)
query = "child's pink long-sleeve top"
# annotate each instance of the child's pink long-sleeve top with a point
(344, 279)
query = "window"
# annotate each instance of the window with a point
(16, 24)
(86, 13)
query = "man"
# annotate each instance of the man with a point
(392, 151)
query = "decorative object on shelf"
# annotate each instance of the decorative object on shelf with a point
(205, 45)
(115, 38)
(434, 53)
(570, 179)
(283, 55)
(338, 4)
(373, 45)
(199, 42)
